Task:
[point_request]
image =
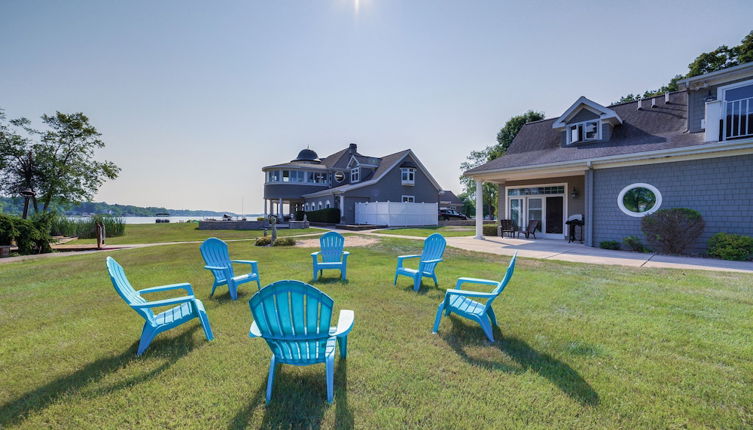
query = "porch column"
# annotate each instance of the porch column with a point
(479, 210)
(342, 207)
(501, 201)
(265, 208)
(279, 209)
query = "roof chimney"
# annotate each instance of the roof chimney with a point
(666, 98)
(653, 102)
(640, 101)
(352, 148)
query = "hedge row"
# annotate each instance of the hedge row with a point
(32, 236)
(327, 215)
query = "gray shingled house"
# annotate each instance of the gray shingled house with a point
(345, 178)
(614, 164)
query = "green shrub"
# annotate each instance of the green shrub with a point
(634, 244)
(328, 215)
(263, 241)
(8, 230)
(260, 218)
(33, 234)
(299, 216)
(672, 231)
(284, 241)
(490, 230)
(731, 247)
(609, 244)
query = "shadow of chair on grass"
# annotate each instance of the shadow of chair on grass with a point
(169, 348)
(328, 280)
(557, 372)
(299, 401)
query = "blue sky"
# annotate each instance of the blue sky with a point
(193, 98)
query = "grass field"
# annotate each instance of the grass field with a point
(184, 231)
(447, 231)
(580, 346)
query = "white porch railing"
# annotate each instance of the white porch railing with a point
(738, 118)
(396, 214)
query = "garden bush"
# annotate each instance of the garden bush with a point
(8, 230)
(731, 247)
(490, 229)
(634, 244)
(328, 215)
(263, 241)
(33, 234)
(609, 244)
(284, 241)
(672, 231)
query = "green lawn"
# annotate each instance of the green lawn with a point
(184, 231)
(447, 231)
(580, 346)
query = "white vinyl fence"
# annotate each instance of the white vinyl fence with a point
(396, 214)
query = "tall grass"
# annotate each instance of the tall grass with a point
(86, 228)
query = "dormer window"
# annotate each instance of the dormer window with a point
(408, 176)
(583, 131)
(355, 174)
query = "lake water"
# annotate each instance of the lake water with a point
(152, 219)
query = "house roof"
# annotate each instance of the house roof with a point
(447, 196)
(604, 113)
(645, 130)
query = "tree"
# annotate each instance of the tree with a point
(707, 62)
(476, 158)
(57, 163)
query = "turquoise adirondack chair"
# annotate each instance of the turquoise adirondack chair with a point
(333, 256)
(459, 301)
(217, 260)
(294, 318)
(189, 307)
(431, 256)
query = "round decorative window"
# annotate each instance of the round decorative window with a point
(339, 176)
(639, 200)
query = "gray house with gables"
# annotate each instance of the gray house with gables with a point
(612, 165)
(347, 177)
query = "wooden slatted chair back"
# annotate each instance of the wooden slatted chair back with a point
(503, 283)
(215, 253)
(294, 318)
(434, 246)
(125, 290)
(331, 244)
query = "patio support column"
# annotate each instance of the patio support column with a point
(279, 209)
(342, 207)
(479, 210)
(265, 208)
(589, 216)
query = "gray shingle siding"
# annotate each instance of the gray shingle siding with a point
(583, 115)
(721, 189)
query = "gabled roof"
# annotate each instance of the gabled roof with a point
(605, 114)
(449, 197)
(649, 129)
(387, 163)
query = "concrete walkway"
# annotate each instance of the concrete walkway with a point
(553, 249)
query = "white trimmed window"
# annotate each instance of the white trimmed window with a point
(320, 205)
(408, 176)
(639, 200)
(583, 131)
(355, 174)
(409, 199)
(326, 205)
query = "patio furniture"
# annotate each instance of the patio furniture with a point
(217, 260)
(430, 256)
(294, 318)
(188, 307)
(332, 255)
(461, 302)
(506, 226)
(533, 225)
(574, 223)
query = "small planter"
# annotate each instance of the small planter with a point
(4, 251)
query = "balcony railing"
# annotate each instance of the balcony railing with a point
(737, 121)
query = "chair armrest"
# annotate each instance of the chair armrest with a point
(344, 323)
(182, 286)
(254, 331)
(244, 261)
(462, 281)
(166, 302)
(436, 260)
(215, 267)
(468, 294)
(346, 253)
(405, 257)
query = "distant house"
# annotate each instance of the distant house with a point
(691, 148)
(347, 177)
(448, 200)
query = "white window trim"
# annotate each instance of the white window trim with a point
(568, 133)
(412, 172)
(355, 173)
(651, 188)
(523, 208)
(327, 205)
(721, 92)
(411, 198)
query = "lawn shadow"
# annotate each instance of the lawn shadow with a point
(557, 372)
(298, 401)
(329, 280)
(170, 348)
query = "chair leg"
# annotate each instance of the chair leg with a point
(438, 319)
(233, 289)
(417, 283)
(330, 378)
(395, 281)
(492, 316)
(271, 377)
(258, 282)
(316, 274)
(343, 273)
(434, 277)
(214, 287)
(487, 328)
(147, 335)
(342, 342)
(205, 325)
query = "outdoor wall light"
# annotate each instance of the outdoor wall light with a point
(574, 193)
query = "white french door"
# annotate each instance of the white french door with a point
(546, 204)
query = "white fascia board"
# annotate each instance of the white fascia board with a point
(604, 112)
